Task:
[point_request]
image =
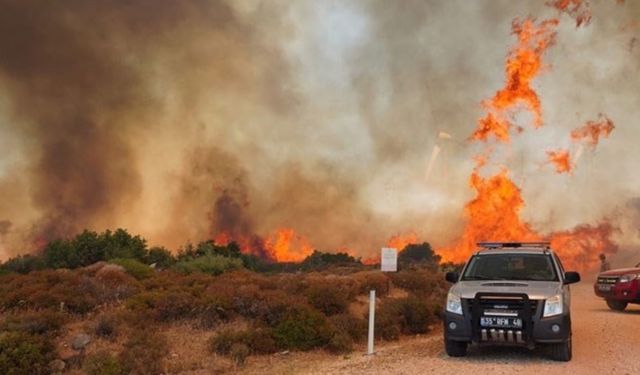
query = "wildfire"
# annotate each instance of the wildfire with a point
(578, 9)
(282, 245)
(400, 241)
(522, 66)
(494, 213)
(286, 246)
(593, 130)
(561, 160)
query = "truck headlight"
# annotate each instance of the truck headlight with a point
(552, 306)
(454, 305)
(627, 278)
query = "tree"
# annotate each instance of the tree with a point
(417, 253)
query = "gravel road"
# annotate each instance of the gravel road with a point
(603, 341)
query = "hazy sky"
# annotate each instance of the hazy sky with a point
(315, 115)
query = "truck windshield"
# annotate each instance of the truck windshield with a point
(533, 267)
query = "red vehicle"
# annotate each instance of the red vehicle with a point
(619, 287)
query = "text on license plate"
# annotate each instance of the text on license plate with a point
(604, 287)
(494, 321)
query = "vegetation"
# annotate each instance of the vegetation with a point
(107, 279)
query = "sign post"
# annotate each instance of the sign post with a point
(389, 259)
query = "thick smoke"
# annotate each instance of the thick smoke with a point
(178, 120)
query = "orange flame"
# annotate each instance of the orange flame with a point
(400, 241)
(578, 9)
(560, 160)
(522, 66)
(286, 246)
(494, 213)
(593, 130)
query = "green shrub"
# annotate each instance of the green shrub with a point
(36, 323)
(22, 353)
(302, 328)
(161, 257)
(210, 264)
(101, 363)
(134, 268)
(415, 315)
(144, 353)
(22, 264)
(415, 253)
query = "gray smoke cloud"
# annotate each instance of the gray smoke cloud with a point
(177, 120)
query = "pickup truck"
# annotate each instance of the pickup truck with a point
(510, 293)
(619, 287)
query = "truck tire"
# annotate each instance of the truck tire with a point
(562, 351)
(616, 305)
(455, 348)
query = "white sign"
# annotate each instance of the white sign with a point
(389, 259)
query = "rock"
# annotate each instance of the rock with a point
(80, 341)
(57, 365)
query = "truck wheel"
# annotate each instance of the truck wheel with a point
(616, 305)
(455, 348)
(562, 351)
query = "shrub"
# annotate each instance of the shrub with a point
(303, 328)
(211, 264)
(24, 353)
(144, 353)
(238, 353)
(35, 323)
(260, 341)
(23, 264)
(356, 328)
(373, 280)
(340, 343)
(418, 253)
(415, 315)
(134, 268)
(319, 260)
(224, 340)
(101, 363)
(161, 257)
(422, 281)
(388, 321)
(106, 326)
(328, 298)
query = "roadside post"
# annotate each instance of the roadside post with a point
(388, 263)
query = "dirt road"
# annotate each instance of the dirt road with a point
(603, 342)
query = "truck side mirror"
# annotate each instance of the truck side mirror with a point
(571, 277)
(452, 277)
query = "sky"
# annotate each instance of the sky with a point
(177, 120)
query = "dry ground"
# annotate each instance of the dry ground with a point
(604, 342)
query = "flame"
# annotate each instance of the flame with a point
(523, 64)
(286, 246)
(578, 9)
(593, 130)
(580, 247)
(400, 241)
(560, 160)
(494, 213)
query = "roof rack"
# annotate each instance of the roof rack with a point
(498, 245)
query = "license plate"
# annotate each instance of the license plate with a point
(604, 287)
(495, 321)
